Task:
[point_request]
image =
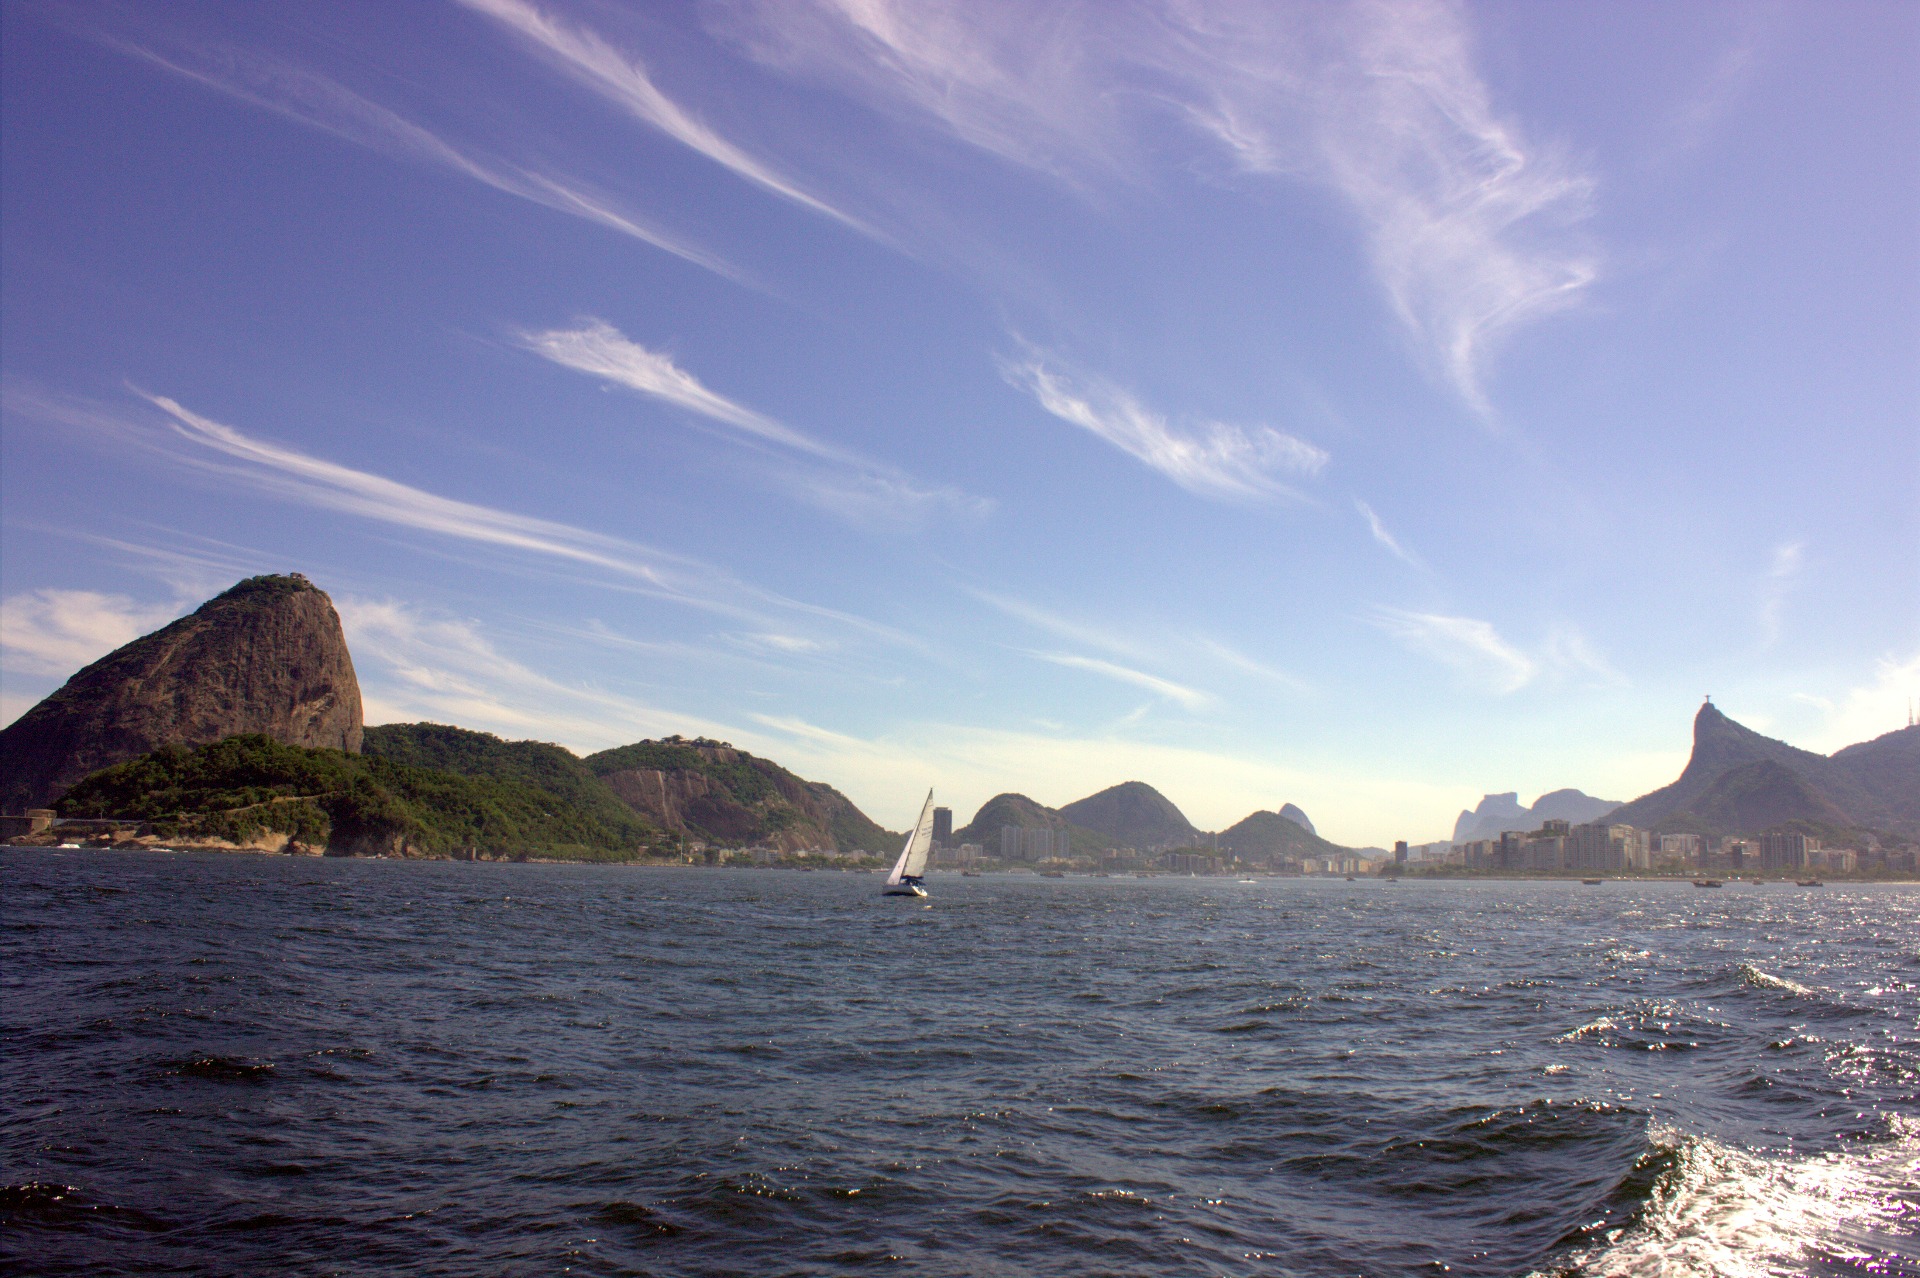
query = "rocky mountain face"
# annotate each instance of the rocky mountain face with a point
(1296, 816)
(711, 791)
(1740, 782)
(1499, 813)
(1261, 835)
(265, 657)
(1133, 813)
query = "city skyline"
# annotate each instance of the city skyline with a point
(1366, 407)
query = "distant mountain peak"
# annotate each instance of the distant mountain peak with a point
(1298, 817)
(1134, 813)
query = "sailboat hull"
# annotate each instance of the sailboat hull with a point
(905, 889)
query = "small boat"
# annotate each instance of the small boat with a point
(1349, 878)
(1706, 882)
(1591, 882)
(1052, 874)
(969, 874)
(1246, 880)
(911, 868)
(1811, 883)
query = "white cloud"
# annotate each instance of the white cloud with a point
(1020, 82)
(323, 104)
(591, 61)
(1870, 709)
(1240, 661)
(861, 489)
(56, 632)
(1487, 660)
(1783, 574)
(1210, 459)
(598, 349)
(1470, 646)
(1470, 228)
(1381, 535)
(414, 665)
(291, 475)
(1053, 623)
(1185, 696)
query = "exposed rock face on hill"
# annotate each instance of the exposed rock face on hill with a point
(1264, 835)
(1134, 813)
(1499, 813)
(1739, 782)
(711, 791)
(1296, 816)
(265, 657)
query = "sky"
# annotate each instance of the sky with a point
(1366, 406)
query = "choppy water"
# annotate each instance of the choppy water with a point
(240, 1064)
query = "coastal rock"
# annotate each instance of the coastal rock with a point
(267, 656)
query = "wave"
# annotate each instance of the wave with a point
(1719, 1212)
(1751, 975)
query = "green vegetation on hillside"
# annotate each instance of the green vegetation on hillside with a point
(551, 768)
(245, 786)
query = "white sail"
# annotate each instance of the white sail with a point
(913, 857)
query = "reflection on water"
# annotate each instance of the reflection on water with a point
(242, 1064)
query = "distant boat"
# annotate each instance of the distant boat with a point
(1052, 874)
(1811, 883)
(969, 874)
(1706, 882)
(911, 868)
(1591, 882)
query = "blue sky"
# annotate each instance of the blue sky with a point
(1364, 406)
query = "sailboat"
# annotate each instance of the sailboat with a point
(912, 865)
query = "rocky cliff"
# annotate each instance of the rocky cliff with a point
(1740, 782)
(1295, 815)
(1499, 813)
(266, 657)
(712, 791)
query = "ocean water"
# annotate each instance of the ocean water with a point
(248, 1064)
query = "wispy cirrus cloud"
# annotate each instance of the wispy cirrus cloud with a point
(1384, 537)
(1783, 573)
(1190, 698)
(416, 664)
(324, 104)
(278, 470)
(1468, 225)
(1487, 660)
(56, 632)
(866, 490)
(1471, 646)
(1471, 229)
(1209, 459)
(623, 80)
